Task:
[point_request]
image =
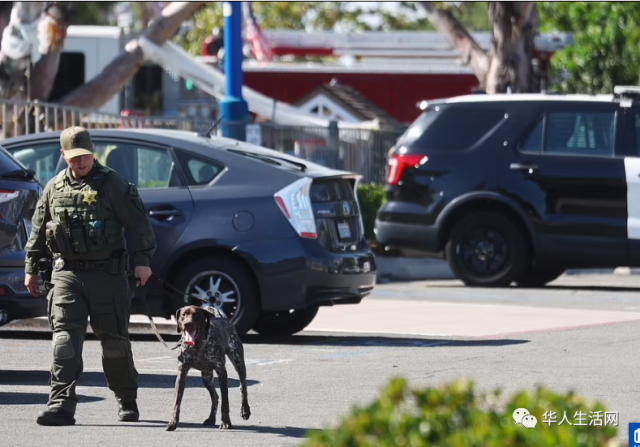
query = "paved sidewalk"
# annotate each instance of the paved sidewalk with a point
(427, 318)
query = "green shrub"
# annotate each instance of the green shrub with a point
(371, 197)
(455, 416)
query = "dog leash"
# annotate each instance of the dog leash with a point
(143, 295)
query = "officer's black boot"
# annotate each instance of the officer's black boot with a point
(55, 416)
(128, 412)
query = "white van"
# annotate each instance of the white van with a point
(87, 51)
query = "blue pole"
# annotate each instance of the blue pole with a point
(234, 109)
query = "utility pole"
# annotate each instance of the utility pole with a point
(233, 108)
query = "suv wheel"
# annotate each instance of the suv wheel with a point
(487, 250)
(539, 276)
(226, 284)
(285, 323)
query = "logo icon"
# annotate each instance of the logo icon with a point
(346, 208)
(529, 421)
(634, 434)
(522, 416)
(519, 414)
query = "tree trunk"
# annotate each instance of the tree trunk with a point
(513, 34)
(16, 52)
(459, 39)
(52, 32)
(113, 78)
(105, 85)
(30, 56)
(508, 66)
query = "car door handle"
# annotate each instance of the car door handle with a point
(165, 213)
(522, 167)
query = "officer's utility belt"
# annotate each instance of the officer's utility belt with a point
(79, 265)
(117, 264)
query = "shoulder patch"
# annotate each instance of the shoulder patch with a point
(133, 191)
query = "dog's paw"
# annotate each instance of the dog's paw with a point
(171, 426)
(245, 412)
(226, 422)
(211, 422)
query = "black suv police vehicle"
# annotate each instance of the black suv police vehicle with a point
(518, 188)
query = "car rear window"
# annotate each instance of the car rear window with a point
(331, 190)
(8, 163)
(450, 128)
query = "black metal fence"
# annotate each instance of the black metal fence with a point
(362, 151)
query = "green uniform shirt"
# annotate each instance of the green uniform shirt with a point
(123, 200)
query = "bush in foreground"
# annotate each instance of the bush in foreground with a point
(371, 197)
(455, 415)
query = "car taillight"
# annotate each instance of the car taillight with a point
(295, 202)
(8, 194)
(398, 163)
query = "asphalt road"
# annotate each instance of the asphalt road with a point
(580, 333)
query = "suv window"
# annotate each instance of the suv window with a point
(145, 167)
(582, 133)
(451, 129)
(198, 171)
(41, 158)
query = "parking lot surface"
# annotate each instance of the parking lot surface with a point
(579, 333)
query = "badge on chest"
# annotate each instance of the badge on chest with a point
(90, 197)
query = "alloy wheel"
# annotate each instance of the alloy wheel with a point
(217, 290)
(484, 250)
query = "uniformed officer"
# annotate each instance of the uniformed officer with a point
(80, 221)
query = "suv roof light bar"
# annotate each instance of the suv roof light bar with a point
(626, 90)
(627, 94)
(425, 104)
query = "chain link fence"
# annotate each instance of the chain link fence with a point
(361, 151)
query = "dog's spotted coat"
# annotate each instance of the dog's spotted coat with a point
(213, 340)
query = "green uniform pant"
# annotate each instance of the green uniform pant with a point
(104, 300)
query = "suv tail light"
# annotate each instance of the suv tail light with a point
(8, 194)
(295, 202)
(398, 163)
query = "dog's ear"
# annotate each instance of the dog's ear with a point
(178, 325)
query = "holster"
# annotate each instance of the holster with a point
(57, 239)
(119, 262)
(46, 269)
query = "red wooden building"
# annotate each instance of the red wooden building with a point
(393, 70)
(395, 89)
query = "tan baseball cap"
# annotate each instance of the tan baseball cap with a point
(76, 141)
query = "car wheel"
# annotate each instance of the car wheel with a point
(285, 323)
(227, 285)
(539, 276)
(487, 250)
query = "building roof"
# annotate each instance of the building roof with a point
(391, 66)
(355, 102)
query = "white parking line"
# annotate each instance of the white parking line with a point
(155, 359)
(377, 331)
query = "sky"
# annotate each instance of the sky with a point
(372, 19)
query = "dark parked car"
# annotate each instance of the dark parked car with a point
(19, 193)
(518, 188)
(267, 237)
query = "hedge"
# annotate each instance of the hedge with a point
(454, 415)
(371, 197)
